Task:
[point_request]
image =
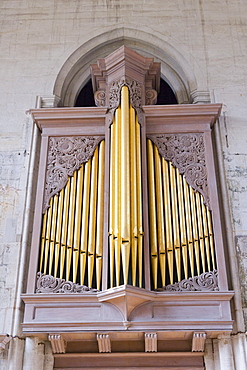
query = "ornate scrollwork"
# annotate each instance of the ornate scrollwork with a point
(208, 281)
(135, 96)
(100, 98)
(151, 96)
(65, 155)
(187, 153)
(50, 284)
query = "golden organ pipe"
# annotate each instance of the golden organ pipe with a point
(117, 201)
(160, 215)
(195, 230)
(71, 219)
(183, 235)
(168, 219)
(111, 199)
(152, 213)
(84, 221)
(42, 247)
(125, 182)
(200, 231)
(100, 214)
(92, 217)
(77, 227)
(53, 231)
(175, 220)
(58, 230)
(205, 230)
(133, 188)
(48, 233)
(189, 226)
(64, 227)
(139, 199)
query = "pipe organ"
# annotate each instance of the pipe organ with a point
(181, 241)
(127, 248)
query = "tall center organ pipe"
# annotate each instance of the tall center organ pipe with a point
(125, 216)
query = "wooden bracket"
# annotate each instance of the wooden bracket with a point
(198, 341)
(151, 342)
(104, 343)
(57, 343)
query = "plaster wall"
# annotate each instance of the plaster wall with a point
(207, 40)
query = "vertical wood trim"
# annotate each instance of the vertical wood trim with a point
(216, 220)
(34, 254)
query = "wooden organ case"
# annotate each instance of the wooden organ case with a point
(127, 258)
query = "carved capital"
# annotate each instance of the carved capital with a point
(104, 343)
(65, 155)
(58, 345)
(50, 284)
(198, 341)
(187, 153)
(207, 281)
(151, 342)
(135, 91)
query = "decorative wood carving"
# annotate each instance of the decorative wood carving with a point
(135, 91)
(100, 98)
(207, 281)
(198, 341)
(187, 153)
(58, 345)
(104, 343)
(65, 155)
(151, 342)
(50, 284)
(151, 97)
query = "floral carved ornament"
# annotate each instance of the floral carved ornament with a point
(65, 155)
(187, 153)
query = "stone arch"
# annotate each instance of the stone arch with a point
(175, 69)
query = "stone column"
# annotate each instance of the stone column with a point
(239, 351)
(225, 352)
(209, 355)
(33, 354)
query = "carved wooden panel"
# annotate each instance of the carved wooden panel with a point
(207, 281)
(65, 155)
(50, 284)
(187, 153)
(135, 92)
